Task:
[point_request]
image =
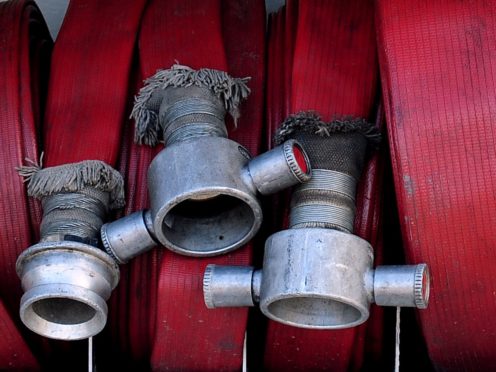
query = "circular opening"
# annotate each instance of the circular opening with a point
(426, 281)
(204, 225)
(63, 310)
(314, 312)
(300, 158)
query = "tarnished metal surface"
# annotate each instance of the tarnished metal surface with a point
(228, 286)
(402, 285)
(315, 278)
(200, 205)
(129, 236)
(278, 169)
(66, 285)
(204, 193)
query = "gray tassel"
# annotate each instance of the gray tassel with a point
(310, 122)
(74, 177)
(228, 89)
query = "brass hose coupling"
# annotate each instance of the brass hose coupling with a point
(317, 274)
(203, 187)
(66, 278)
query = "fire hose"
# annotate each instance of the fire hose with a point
(437, 67)
(24, 60)
(66, 277)
(315, 24)
(185, 324)
(185, 107)
(313, 276)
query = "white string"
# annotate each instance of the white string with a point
(245, 367)
(90, 355)
(397, 346)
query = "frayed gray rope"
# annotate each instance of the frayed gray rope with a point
(74, 177)
(75, 197)
(231, 91)
(311, 122)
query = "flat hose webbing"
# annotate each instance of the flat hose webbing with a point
(185, 334)
(438, 72)
(334, 72)
(88, 95)
(14, 352)
(86, 105)
(25, 46)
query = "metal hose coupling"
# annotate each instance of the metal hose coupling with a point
(203, 187)
(66, 278)
(317, 274)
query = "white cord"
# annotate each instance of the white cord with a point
(90, 355)
(245, 367)
(397, 346)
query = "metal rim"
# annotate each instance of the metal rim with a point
(293, 163)
(70, 331)
(250, 201)
(362, 312)
(53, 247)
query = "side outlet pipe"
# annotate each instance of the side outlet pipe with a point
(66, 278)
(203, 187)
(317, 274)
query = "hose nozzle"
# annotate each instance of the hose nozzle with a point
(203, 187)
(317, 274)
(66, 279)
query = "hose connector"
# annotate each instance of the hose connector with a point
(317, 274)
(204, 188)
(317, 279)
(66, 278)
(129, 236)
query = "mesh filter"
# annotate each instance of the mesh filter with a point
(339, 145)
(341, 152)
(337, 151)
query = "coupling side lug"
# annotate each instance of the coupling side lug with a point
(129, 236)
(282, 167)
(229, 286)
(402, 285)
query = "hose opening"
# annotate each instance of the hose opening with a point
(315, 312)
(208, 223)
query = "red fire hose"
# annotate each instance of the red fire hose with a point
(24, 59)
(436, 64)
(332, 69)
(166, 314)
(437, 69)
(88, 90)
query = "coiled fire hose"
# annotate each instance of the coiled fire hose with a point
(437, 68)
(202, 36)
(25, 46)
(66, 276)
(339, 78)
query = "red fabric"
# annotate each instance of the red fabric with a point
(186, 335)
(14, 352)
(25, 47)
(438, 66)
(334, 72)
(89, 80)
(88, 95)
(133, 303)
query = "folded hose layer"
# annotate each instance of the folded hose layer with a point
(332, 72)
(25, 47)
(191, 33)
(437, 68)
